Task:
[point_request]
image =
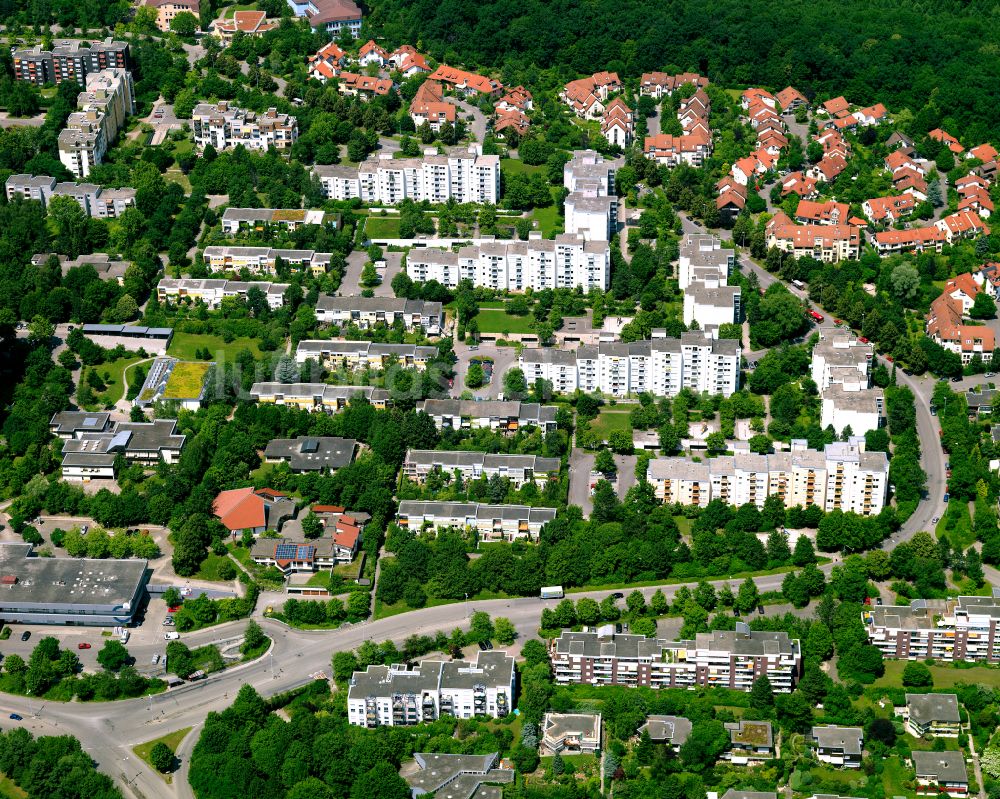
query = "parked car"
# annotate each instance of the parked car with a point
(947, 496)
(482, 646)
(956, 380)
(171, 636)
(156, 659)
(16, 717)
(760, 609)
(83, 645)
(168, 622)
(618, 595)
(25, 635)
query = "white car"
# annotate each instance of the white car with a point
(171, 636)
(156, 659)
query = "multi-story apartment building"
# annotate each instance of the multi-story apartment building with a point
(102, 109)
(500, 416)
(852, 405)
(332, 16)
(591, 207)
(935, 715)
(369, 312)
(236, 219)
(93, 455)
(842, 477)
(661, 366)
(841, 359)
(712, 306)
(591, 173)
(838, 746)
(724, 658)
(568, 261)
(95, 201)
(263, 260)
(212, 291)
(461, 174)
(70, 60)
(224, 126)
(826, 243)
(572, 733)
(317, 396)
(342, 354)
(962, 629)
(490, 522)
(396, 696)
(519, 469)
(703, 259)
(167, 10)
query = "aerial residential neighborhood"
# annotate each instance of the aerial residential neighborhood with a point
(499, 400)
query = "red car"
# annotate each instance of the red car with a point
(838, 321)
(83, 645)
(889, 358)
(174, 609)
(862, 339)
(817, 316)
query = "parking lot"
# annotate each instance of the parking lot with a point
(503, 358)
(581, 464)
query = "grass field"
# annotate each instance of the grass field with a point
(183, 346)
(382, 227)
(186, 380)
(114, 382)
(944, 676)
(497, 321)
(961, 533)
(383, 611)
(210, 567)
(548, 220)
(515, 166)
(171, 739)
(608, 422)
(893, 777)
(8, 790)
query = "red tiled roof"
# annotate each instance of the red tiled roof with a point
(837, 106)
(459, 77)
(984, 152)
(821, 212)
(328, 508)
(240, 509)
(789, 95)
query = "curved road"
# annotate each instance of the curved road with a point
(108, 731)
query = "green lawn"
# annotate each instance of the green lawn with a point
(383, 610)
(944, 676)
(515, 166)
(183, 346)
(497, 321)
(960, 533)
(210, 567)
(548, 220)
(382, 227)
(111, 373)
(893, 777)
(171, 739)
(609, 421)
(8, 790)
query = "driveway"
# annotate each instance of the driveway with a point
(350, 286)
(503, 358)
(581, 464)
(477, 127)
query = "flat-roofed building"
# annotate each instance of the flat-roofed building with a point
(76, 592)
(672, 731)
(90, 456)
(846, 405)
(311, 453)
(572, 733)
(457, 776)
(519, 469)
(212, 291)
(724, 658)
(236, 219)
(103, 107)
(750, 742)
(702, 258)
(567, 261)
(395, 696)
(96, 202)
(962, 629)
(263, 260)
(838, 746)
(369, 312)
(711, 306)
(842, 359)
(501, 416)
(69, 60)
(317, 396)
(73, 424)
(490, 522)
(225, 126)
(335, 354)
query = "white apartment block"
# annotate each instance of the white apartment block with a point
(108, 100)
(661, 366)
(841, 359)
(461, 174)
(711, 306)
(342, 354)
(702, 259)
(263, 260)
(500, 416)
(96, 201)
(369, 312)
(591, 173)
(490, 522)
(954, 630)
(317, 397)
(212, 291)
(721, 659)
(225, 126)
(842, 477)
(852, 405)
(568, 261)
(519, 469)
(591, 207)
(395, 696)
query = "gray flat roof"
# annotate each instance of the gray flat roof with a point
(312, 453)
(674, 729)
(928, 708)
(833, 737)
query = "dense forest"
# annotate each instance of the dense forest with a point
(939, 60)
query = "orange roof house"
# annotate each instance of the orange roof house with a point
(466, 82)
(252, 509)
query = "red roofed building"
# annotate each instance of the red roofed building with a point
(898, 159)
(945, 321)
(588, 96)
(668, 150)
(799, 183)
(371, 53)
(947, 139)
(249, 23)
(518, 99)
(510, 119)
(363, 85)
(962, 225)
(751, 97)
(828, 213)
(984, 152)
(976, 199)
(467, 83)
(252, 509)
(837, 107)
(790, 98)
(744, 170)
(827, 243)
(889, 210)
(829, 167)
(414, 64)
(617, 124)
(660, 84)
(428, 106)
(917, 239)
(332, 16)
(872, 115)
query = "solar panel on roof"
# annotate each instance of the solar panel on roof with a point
(90, 421)
(310, 445)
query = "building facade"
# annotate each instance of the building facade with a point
(212, 291)
(316, 397)
(97, 202)
(368, 312)
(519, 469)
(264, 260)
(101, 112)
(225, 126)
(69, 60)
(342, 354)
(500, 416)
(490, 522)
